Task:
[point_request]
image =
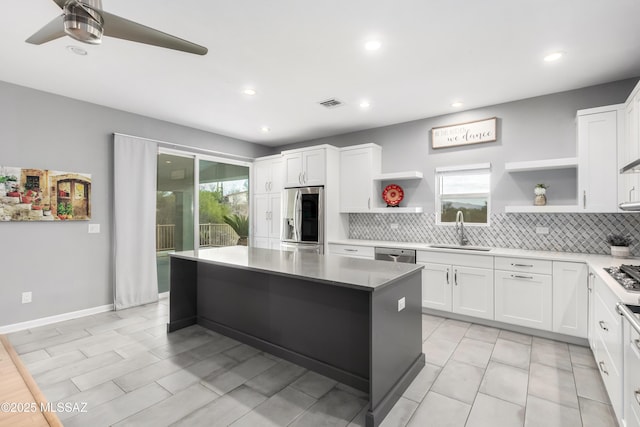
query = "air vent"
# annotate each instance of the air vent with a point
(331, 103)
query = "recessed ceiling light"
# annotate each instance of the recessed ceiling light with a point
(457, 104)
(553, 56)
(265, 129)
(372, 45)
(168, 162)
(77, 50)
(365, 104)
(249, 91)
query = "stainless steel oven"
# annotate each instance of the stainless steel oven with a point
(303, 219)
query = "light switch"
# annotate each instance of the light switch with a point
(401, 303)
(542, 230)
(394, 226)
(94, 228)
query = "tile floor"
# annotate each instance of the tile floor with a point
(132, 373)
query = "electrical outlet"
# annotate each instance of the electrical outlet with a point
(394, 226)
(401, 304)
(94, 228)
(26, 297)
(542, 230)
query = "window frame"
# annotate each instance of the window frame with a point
(472, 169)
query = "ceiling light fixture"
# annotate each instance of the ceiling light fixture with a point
(372, 45)
(365, 104)
(457, 104)
(77, 50)
(265, 129)
(553, 56)
(249, 91)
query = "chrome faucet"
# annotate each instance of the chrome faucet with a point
(460, 228)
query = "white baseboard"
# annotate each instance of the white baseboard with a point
(163, 295)
(7, 329)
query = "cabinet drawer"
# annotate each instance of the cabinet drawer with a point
(523, 299)
(612, 380)
(352, 250)
(608, 330)
(466, 260)
(524, 265)
(632, 381)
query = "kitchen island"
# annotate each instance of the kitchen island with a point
(355, 320)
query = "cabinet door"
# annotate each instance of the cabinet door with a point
(276, 176)
(273, 216)
(628, 151)
(473, 291)
(356, 180)
(570, 299)
(313, 167)
(293, 170)
(261, 242)
(591, 322)
(261, 176)
(261, 209)
(436, 286)
(597, 162)
(274, 244)
(524, 299)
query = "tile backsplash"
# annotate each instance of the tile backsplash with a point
(585, 233)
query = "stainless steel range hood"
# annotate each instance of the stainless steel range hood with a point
(630, 206)
(633, 167)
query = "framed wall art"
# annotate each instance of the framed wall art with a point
(464, 133)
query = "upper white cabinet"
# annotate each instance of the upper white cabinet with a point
(629, 149)
(358, 166)
(570, 298)
(304, 167)
(268, 175)
(597, 159)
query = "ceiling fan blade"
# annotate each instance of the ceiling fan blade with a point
(53, 30)
(120, 28)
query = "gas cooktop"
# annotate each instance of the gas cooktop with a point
(627, 275)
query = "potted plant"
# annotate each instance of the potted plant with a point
(619, 245)
(240, 225)
(540, 192)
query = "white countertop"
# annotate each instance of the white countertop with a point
(333, 269)
(596, 262)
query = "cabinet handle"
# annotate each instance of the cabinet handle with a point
(637, 343)
(351, 250)
(603, 325)
(369, 203)
(602, 368)
(300, 177)
(631, 191)
(447, 276)
(455, 277)
(519, 276)
(637, 394)
(521, 265)
(270, 185)
(584, 199)
(266, 186)
(589, 281)
(304, 176)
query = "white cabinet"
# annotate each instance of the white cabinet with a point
(266, 220)
(304, 167)
(465, 287)
(570, 298)
(608, 352)
(267, 175)
(352, 251)
(523, 290)
(597, 159)
(592, 313)
(629, 149)
(631, 390)
(358, 165)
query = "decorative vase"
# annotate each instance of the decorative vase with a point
(242, 241)
(620, 251)
(541, 198)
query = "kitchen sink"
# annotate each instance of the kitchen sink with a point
(463, 248)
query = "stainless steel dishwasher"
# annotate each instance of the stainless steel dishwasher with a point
(396, 255)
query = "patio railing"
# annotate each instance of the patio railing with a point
(210, 235)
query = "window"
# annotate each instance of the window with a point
(466, 189)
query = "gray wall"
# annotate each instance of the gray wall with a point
(530, 129)
(66, 268)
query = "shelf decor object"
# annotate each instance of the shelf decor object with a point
(44, 195)
(541, 195)
(393, 195)
(464, 133)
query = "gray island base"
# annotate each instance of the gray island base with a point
(341, 317)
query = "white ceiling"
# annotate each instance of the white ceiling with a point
(296, 53)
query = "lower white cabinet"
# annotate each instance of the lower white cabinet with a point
(458, 288)
(631, 377)
(352, 251)
(266, 216)
(524, 299)
(608, 351)
(570, 298)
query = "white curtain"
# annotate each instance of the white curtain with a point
(135, 178)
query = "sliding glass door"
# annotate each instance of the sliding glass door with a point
(218, 189)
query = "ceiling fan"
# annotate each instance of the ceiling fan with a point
(85, 21)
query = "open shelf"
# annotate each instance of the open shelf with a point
(407, 209)
(542, 209)
(398, 176)
(539, 165)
